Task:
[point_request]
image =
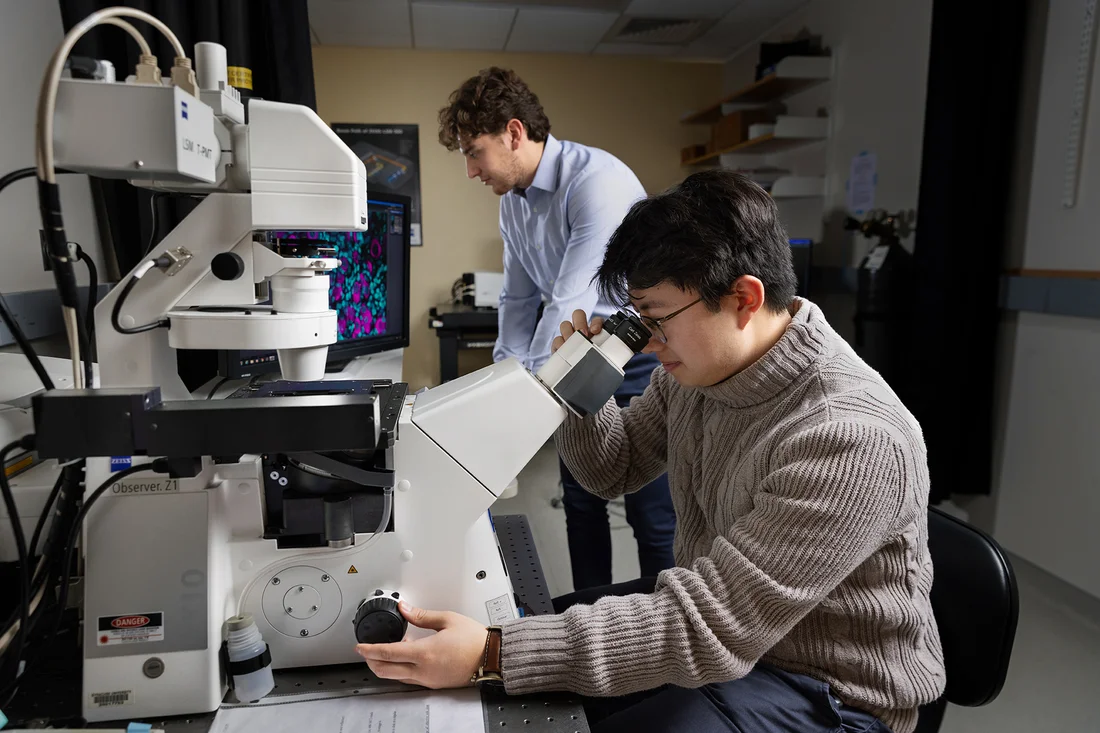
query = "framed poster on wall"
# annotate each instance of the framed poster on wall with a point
(391, 154)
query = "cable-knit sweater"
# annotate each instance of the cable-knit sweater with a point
(800, 486)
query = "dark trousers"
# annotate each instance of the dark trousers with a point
(649, 510)
(767, 700)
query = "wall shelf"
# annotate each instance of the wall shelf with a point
(790, 133)
(792, 75)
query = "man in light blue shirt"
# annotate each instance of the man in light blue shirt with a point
(554, 233)
(560, 203)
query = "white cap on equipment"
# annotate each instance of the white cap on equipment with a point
(210, 66)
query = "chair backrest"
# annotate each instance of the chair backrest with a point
(976, 604)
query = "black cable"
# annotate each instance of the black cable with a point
(217, 386)
(17, 175)
(85, 329)
(32, 549)
(24, 344)
(72, 490)
(117, 309)
(153, 212)
(64, 274)
(20, 173)
(21, 550)
(85, 350)
(158, 466)
(42, 571)
(93, 298)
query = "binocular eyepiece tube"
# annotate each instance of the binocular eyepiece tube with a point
(585, 372)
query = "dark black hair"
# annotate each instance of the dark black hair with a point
(701, 235)
(485, 103)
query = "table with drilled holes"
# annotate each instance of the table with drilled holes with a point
(54, 695)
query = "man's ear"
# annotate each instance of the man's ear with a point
(515, 134)
(748, 297)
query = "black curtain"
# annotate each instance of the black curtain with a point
(267, 49)
(974, 82)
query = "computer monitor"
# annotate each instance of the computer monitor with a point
(369, 290)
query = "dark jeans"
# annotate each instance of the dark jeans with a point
(767, 700)
(648, 511)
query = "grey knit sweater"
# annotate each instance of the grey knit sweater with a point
(800, 486)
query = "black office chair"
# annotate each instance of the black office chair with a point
(976, 605)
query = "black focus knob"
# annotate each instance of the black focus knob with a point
(379, 621)
(227, 266)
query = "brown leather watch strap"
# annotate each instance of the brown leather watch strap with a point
(492, 663)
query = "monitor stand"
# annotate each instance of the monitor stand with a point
(383, 365)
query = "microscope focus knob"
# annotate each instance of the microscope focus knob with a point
(227, 266)
(379, 620)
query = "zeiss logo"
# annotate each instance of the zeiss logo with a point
(120, 462)
(183, 110)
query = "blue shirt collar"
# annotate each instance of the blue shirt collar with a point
(548, 172)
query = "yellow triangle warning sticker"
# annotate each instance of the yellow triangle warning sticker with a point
(352, 571)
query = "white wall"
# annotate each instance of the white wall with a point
(875, 102)
(1046, 501)
(29, 32)
(1045, 505)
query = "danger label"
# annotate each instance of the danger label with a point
(130, 629)
(352, 570)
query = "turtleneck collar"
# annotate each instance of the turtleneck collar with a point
(796, 350)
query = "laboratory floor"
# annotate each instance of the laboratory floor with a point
(1053, 684)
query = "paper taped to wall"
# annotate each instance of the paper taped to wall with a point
(862, 178)
(450, 711)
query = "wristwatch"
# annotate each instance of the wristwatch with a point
(490, 673)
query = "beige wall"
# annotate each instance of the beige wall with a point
(628, 106)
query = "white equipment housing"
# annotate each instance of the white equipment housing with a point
(487, 287)
(31, 486)
(196, 545)
(332, 198)
(168, 560)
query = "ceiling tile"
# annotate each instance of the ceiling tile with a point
(379, 23)
(559, 31)
(461, 26)
(680, 8)
(746, 23)
(610, 5)
(636, 49)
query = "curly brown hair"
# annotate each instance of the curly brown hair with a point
(485, 103)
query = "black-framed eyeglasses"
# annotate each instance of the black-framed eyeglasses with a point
(656, 324)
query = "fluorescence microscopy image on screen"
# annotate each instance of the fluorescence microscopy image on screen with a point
(368, 289)
(358, 288)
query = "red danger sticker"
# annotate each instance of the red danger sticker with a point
(130, 629)
(129, 622)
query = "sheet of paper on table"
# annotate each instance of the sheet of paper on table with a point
(451, 711)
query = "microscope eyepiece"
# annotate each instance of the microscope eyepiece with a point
(629, 329)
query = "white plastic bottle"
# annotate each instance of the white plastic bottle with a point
(246, 645)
